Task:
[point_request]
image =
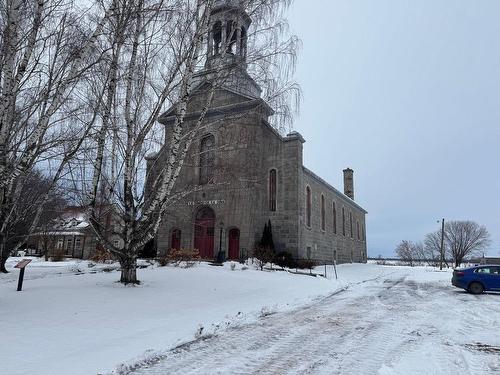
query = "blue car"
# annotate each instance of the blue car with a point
(477, 279)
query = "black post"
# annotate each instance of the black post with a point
(220, 246)
(441, 258)
(20, 282)
(220, 240)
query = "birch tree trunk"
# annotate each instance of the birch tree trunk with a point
(46, 52)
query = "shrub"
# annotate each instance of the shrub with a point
(163, 260)
(267, 236)
(306, 264)
(186, 257)
(102, 256)
(263, 255)
(285, 259)
(57, 255)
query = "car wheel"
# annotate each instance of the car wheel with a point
(476, 288)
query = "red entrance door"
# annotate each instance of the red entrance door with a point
(175, 242)
(234, 244)
(204, 232)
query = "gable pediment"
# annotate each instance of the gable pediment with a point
(224, 99)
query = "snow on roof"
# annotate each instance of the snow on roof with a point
(59, 233)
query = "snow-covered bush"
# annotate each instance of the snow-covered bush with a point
(266, 311)
(75, 268)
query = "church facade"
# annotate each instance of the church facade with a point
(240, 173)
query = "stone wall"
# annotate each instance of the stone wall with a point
(330, 244)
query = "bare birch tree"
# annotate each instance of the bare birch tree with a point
(156, 48)
(46, 48)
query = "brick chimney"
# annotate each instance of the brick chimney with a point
(349, 183)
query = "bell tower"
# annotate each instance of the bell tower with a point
(226, 56)
(228, 32)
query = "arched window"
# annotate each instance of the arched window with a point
(243, 42)
(357, 227)
(207, 159)
(175, 241)
(334, 214)
(343, 221)
(217, 37)
(350, 224)
(231, 36)
(323, 219)
(272, 190)
(308, 206)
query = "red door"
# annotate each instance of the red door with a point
(204, 232)
(175, 242)
(234, 244)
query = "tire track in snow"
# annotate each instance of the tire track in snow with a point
(376, 324)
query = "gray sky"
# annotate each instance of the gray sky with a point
(405, 92)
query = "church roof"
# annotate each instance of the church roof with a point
(244, 104)
(337, 192)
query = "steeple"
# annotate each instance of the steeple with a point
(226, 58)
(228, 30)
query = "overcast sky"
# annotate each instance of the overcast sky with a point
(407, 93)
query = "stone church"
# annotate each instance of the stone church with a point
(240, 172)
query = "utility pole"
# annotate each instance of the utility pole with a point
(442, 246)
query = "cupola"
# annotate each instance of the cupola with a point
(228, 33)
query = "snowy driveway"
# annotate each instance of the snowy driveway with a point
(399, 323)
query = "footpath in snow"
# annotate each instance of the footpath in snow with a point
(74, 319)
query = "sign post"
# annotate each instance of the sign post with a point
(21, 265)
(441, 258)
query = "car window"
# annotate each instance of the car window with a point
(484, 270)
(495, 270)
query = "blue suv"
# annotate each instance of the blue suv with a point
(477, 279)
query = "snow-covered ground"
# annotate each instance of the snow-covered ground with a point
(72, 317)
(374, 319)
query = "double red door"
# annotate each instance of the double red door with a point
(204, 233)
